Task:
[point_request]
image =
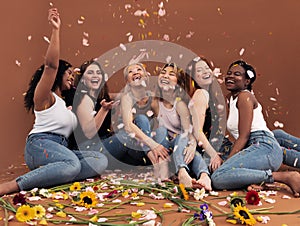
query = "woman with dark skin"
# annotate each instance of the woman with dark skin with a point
(255, 155)
(46, 153)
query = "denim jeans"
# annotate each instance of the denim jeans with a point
(290, 146)
(178, 144)
(252, 165)
(52, 163)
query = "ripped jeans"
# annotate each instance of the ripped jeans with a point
(252, 165)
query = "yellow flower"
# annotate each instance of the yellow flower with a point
(136, 215)
(168, 205)
(242, 214)
(88, 199)
(61, 214)
(184, 192)
(140, 204)
(94, 218)
(76, 186)
(125, 194)
(25, 213)
(43, 222)
(60, 206)
(134, 195)
(39, 211)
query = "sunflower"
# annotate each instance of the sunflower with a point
(76, 186)
(235, 201)
(39, 211)
(25, 213)
(252, 197)
(88, 199)
(242, 214)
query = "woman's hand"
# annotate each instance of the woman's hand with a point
(53, 18)
(108, 105)
(215, 162)
(158, 152)
(189, 153)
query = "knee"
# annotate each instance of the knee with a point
(100, 163)
(217, 182)
(278, 133)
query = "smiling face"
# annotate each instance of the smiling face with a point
(167, 78)
(136, 75)
(67, 80)
(235, 79)
(203, 75)
(92, 77)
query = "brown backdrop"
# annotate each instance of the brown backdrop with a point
(267, 30)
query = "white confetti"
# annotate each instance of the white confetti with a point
(93, 113)
(222, 203)
(270, 200)
(168, 59)
(127, 6)
(286, 197)
(123, 47)
(149, 113)
(242, 51)
(161, 12)
(273, 99)
(120, 126)
(46, 39)
(18, 63)
(130, 38)
(85, 41)
(295, 162)
(29, 37)
(278, 124)
(166, 37)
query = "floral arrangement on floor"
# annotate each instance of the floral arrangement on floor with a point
(103, 201)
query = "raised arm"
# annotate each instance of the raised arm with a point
(43, 98)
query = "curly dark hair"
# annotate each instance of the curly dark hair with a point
(249, 70)
(28, 98)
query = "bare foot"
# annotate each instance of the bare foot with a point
(9, 187)
(203, 182)
(184, 178)
(163, 170)
(291, 178)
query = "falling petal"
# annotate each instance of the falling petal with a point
(242, 51)
(46, 39)
(122, 46)
(18, 63)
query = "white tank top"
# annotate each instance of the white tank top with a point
(56, 119)
(169, 119)
(258, 122)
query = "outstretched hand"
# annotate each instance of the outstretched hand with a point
(53, 18)
(108, 105)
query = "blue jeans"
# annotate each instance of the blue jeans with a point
(178, 144)
(52, 163)
(252, 165)
(290, 146)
